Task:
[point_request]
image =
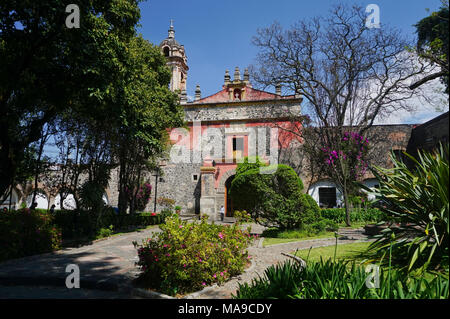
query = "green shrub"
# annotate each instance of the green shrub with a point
(273, 199)
(418, 198)
(147, 219)
(185, 257)
(242, 216)
(106, 232)
(26, 232)
(321, 226)
(339, 280)
(75, 223)
(364, 215)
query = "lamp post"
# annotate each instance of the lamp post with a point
(156, 190)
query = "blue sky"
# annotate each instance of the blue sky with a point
(217, 34)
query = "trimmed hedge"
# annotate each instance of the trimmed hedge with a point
(82, 223)
(273, 196)
(364, 215)
(26, 232)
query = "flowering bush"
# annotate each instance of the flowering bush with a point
(27, 232)
(141, 196)
(352, 151)
(186, 256)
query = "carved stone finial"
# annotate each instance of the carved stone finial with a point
(227, 77)
(198, 93)
(237, 75)
(183, 97)
(278, 89)
(171, 30)
(246, 75)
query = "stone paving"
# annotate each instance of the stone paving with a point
(104, 265)
(107, 267)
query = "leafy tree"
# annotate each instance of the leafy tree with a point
(432, 44)
(347, 74)
(48, 69)
(149, 108)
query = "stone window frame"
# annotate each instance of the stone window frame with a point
(195, 179)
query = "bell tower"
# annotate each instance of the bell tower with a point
(176, 60)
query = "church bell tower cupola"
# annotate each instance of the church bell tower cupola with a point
(176, 60)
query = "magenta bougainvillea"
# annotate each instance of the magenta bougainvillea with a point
(142, 196)
(351, 152)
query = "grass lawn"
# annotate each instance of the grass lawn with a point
(352, 251)
(273, 237)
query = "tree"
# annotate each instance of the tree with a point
(48, 68)
(149, 108)
(348, 75)
(432, 44)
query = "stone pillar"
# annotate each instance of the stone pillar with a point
(183, 97)
(237, 75)
(227, 79)
(278, 89)
(198, 93)
(208, 198)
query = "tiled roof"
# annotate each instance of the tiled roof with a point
(251, 94)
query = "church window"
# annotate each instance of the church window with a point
(166, 51)
(238, 147)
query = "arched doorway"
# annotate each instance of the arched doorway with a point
(41, 199)
(228, 201)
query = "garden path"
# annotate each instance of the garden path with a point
(108, 266)
(105, 265)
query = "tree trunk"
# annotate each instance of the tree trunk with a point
(347, 207)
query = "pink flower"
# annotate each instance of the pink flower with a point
(214, 276)
(221, 274)
(181, 226)
(203, 283)
(220, 236)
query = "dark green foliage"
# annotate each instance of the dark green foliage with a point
(249, 163)
(321, 226)
(280, 281)
(339, 280)
(81, 223)
(273, 196)
(27, 232)
(418, 199)
(48, 69)
(337, 215)
(432, 42)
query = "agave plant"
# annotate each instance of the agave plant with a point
(327, 279)
(418, 198)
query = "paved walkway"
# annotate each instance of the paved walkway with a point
(105, 265)
(108, 266)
